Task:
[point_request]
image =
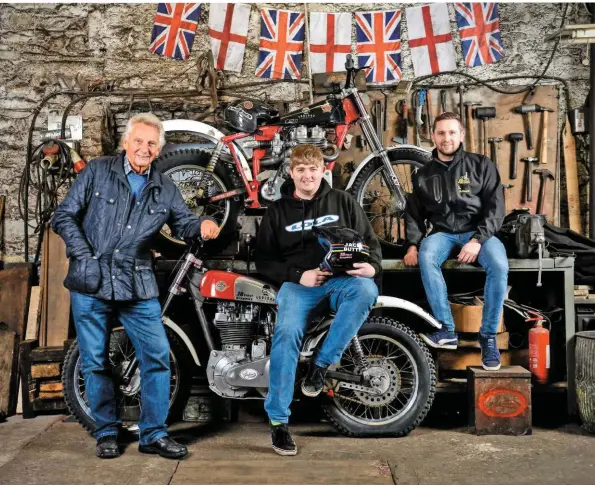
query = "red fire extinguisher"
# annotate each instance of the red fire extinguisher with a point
(539, 350)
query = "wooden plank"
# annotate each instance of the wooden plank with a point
(466, 341)
(8, 371)
(42, 371)
(461, 359)
(28, 384)
(34, 316)
(572, 190)
(52, 386)
(2, 206)
(58, 297)
(44, 285)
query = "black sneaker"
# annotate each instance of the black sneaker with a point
(441, 339)
(490, 355)
(283, 443)
(314, 381)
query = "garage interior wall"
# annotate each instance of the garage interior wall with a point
(96, 44)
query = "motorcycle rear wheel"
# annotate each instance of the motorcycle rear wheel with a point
(185, 167)
(129, 404)
(411, 383)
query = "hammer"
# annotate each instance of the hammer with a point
(514, 140)
(544, 175)
(528, 196)
(494, 141)
(544, 121)
(504, 188)
(528, 110)
(470, 127)
(485, 113)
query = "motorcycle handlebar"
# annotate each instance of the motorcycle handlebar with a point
(351, 71)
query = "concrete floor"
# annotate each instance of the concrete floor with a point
(47, 450)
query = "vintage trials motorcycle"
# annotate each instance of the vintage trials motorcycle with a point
(384, 383)
(223, 175)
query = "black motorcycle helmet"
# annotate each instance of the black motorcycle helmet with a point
(344, 248)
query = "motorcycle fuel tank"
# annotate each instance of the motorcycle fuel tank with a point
(236, 287)
(325, 112)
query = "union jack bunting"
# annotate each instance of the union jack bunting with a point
(479, 30)
(174, 28)
(378, 36)
(281, 44)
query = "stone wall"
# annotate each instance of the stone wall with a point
(95, 44)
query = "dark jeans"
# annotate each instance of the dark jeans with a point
(142, 322)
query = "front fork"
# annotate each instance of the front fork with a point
(174, 290)
(379, 151)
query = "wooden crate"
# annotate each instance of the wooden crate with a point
(500, 401)
(41, 370)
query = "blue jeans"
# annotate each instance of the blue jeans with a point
(142, 322)
(436, 248)
(351, 298)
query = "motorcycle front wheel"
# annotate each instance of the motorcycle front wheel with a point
(371, 190)
(407, 378)
(128, 401)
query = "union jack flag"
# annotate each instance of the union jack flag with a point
(378, 36)
(281, 44)
(479, 30)
(174, 29)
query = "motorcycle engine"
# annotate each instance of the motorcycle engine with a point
(281, 146)
(245, 330)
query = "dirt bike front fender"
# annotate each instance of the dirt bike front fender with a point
(207, 132)
(175, 328)
(371, 157)
(385, 302)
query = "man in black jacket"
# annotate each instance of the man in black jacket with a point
(289, 254)
(108, 220)
(460, 196)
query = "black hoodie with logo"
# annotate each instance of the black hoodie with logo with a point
(463, 195)
(286, 247)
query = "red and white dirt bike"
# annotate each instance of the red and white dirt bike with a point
(384, 383)
(222, 175)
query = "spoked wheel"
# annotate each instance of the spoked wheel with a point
(186, 168)
(402, 383)
(128, 399)
(371, 191)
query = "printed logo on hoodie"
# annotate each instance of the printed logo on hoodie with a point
(308, 224)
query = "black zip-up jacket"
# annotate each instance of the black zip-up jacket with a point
(286, 247)
(464, 195)
(108, 233)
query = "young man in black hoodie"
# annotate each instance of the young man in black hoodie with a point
(460, 195)
(290, 255)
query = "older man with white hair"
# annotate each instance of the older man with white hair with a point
(108, 220)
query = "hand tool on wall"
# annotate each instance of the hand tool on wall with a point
(505, 190)
(527, 110)
(430, 120)
(470, 126)
(544, 175)
(461, 90)
(544, 122)
(528, 193)
(379, 119)
(485, 114)
(403, 123)
(494, 141)
(443, 101)
(419, 100)
(514, 139)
